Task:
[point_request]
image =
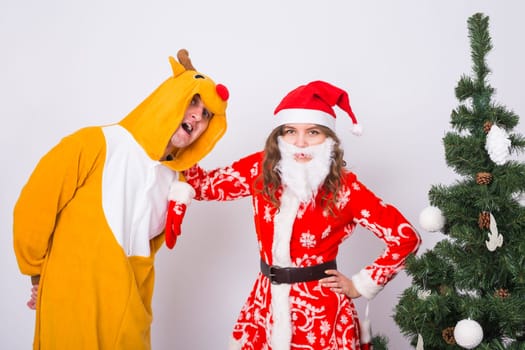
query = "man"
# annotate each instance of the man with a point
(90, 219)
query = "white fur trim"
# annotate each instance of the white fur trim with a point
(304, 116)
(282, 229)
(365, 285)
(281, 333)
(181, 192)
(366, 331)
(365, 326)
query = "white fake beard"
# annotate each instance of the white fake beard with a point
(304, 179)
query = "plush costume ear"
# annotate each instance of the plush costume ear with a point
(183, 65)
(176, 67)
(184, 58)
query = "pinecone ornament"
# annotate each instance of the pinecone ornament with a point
(444, 289)
(486, 126)
(484, 220)
(448, 335)
(483, 178)
(502, 293)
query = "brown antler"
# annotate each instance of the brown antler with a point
(184, 58)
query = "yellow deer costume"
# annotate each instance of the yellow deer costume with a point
(91, 217)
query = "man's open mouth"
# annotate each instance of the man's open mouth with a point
(187, 127)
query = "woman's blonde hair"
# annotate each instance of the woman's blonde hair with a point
(271, 180)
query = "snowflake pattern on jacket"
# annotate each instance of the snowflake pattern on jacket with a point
(305, 315)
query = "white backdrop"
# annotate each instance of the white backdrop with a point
(65, 65)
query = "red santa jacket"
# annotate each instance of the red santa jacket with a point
(304, 234)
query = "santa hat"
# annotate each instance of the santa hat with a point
(312, 103)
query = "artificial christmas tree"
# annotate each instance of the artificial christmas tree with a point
(469, 290)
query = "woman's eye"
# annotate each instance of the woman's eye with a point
(206, 114)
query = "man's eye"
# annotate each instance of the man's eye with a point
(207, 114)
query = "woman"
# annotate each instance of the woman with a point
(305, 205)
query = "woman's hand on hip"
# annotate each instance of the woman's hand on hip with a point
(339, 283)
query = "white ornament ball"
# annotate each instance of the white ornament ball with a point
(468, 333)
(432, 219)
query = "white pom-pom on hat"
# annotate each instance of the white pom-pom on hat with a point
(357, 130)
(431, 219)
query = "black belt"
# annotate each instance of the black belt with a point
(278, 275)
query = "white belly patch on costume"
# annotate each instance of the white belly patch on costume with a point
(134, 192)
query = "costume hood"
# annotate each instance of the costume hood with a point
(153, 122)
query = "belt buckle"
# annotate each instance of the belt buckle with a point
(272, 274)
